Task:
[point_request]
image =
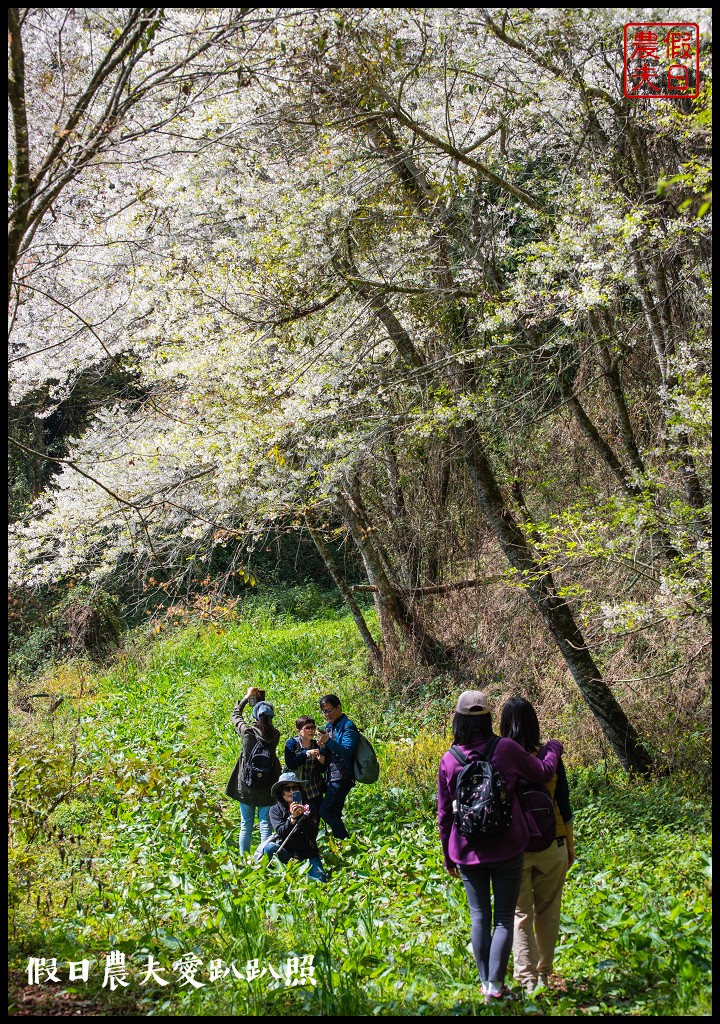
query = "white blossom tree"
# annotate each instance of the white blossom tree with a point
(403, 243)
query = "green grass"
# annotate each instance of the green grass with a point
(123, 840)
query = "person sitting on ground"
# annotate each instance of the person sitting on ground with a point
(293, 830)
(537, 914)
(306, 759)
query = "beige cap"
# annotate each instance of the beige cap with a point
(472, 702)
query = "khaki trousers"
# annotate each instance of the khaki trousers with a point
(537, 914)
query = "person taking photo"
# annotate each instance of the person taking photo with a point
(294, 833)
(259, 739)
(307, 760)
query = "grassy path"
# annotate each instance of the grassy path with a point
(143, 860)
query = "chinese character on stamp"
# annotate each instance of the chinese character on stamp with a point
(661, 60)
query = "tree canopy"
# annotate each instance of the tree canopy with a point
(423, 278)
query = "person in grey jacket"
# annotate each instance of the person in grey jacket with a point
(338, 740)
(253, 800)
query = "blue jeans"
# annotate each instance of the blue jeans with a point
(332, 806)
(247, 813)
(316, 868)
(492, 926)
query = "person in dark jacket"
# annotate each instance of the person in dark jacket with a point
(537, 914)
(253, 801)
(304, 757)
(491, 870)
(294, 833)
(338, 740)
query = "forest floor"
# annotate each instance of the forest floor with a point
(41, 1001)
(143, 859)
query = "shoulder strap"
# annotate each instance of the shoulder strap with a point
(458, 755)
(491, 748)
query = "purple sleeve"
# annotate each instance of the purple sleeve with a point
(534, 769)
(445, 812)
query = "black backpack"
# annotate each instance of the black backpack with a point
(538, 807)
(260, 770)
(482, 804)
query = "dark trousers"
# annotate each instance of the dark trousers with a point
(313, 826)
(315, 802)
(332, 806)
(492, 920)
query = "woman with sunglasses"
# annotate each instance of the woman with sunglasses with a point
(294, 833)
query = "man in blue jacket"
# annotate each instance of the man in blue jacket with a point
(339, 740)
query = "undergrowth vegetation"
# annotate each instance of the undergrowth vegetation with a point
(122, 840)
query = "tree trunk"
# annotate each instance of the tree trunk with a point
(555, 612)
(612, 375)
(388, 634)
(21, 174)
(404, 615)
(664, 349)
(330, 564)
(557, 615)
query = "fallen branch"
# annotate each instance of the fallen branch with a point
(442, 588)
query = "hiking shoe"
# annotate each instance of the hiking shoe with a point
(492, 992)
(505, 993)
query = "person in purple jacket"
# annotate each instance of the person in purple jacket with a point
(491, 870)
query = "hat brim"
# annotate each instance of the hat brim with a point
(275, 791)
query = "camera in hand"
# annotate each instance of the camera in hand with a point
(256, 698)
(297, 796)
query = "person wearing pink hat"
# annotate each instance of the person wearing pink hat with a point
(490, 869)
